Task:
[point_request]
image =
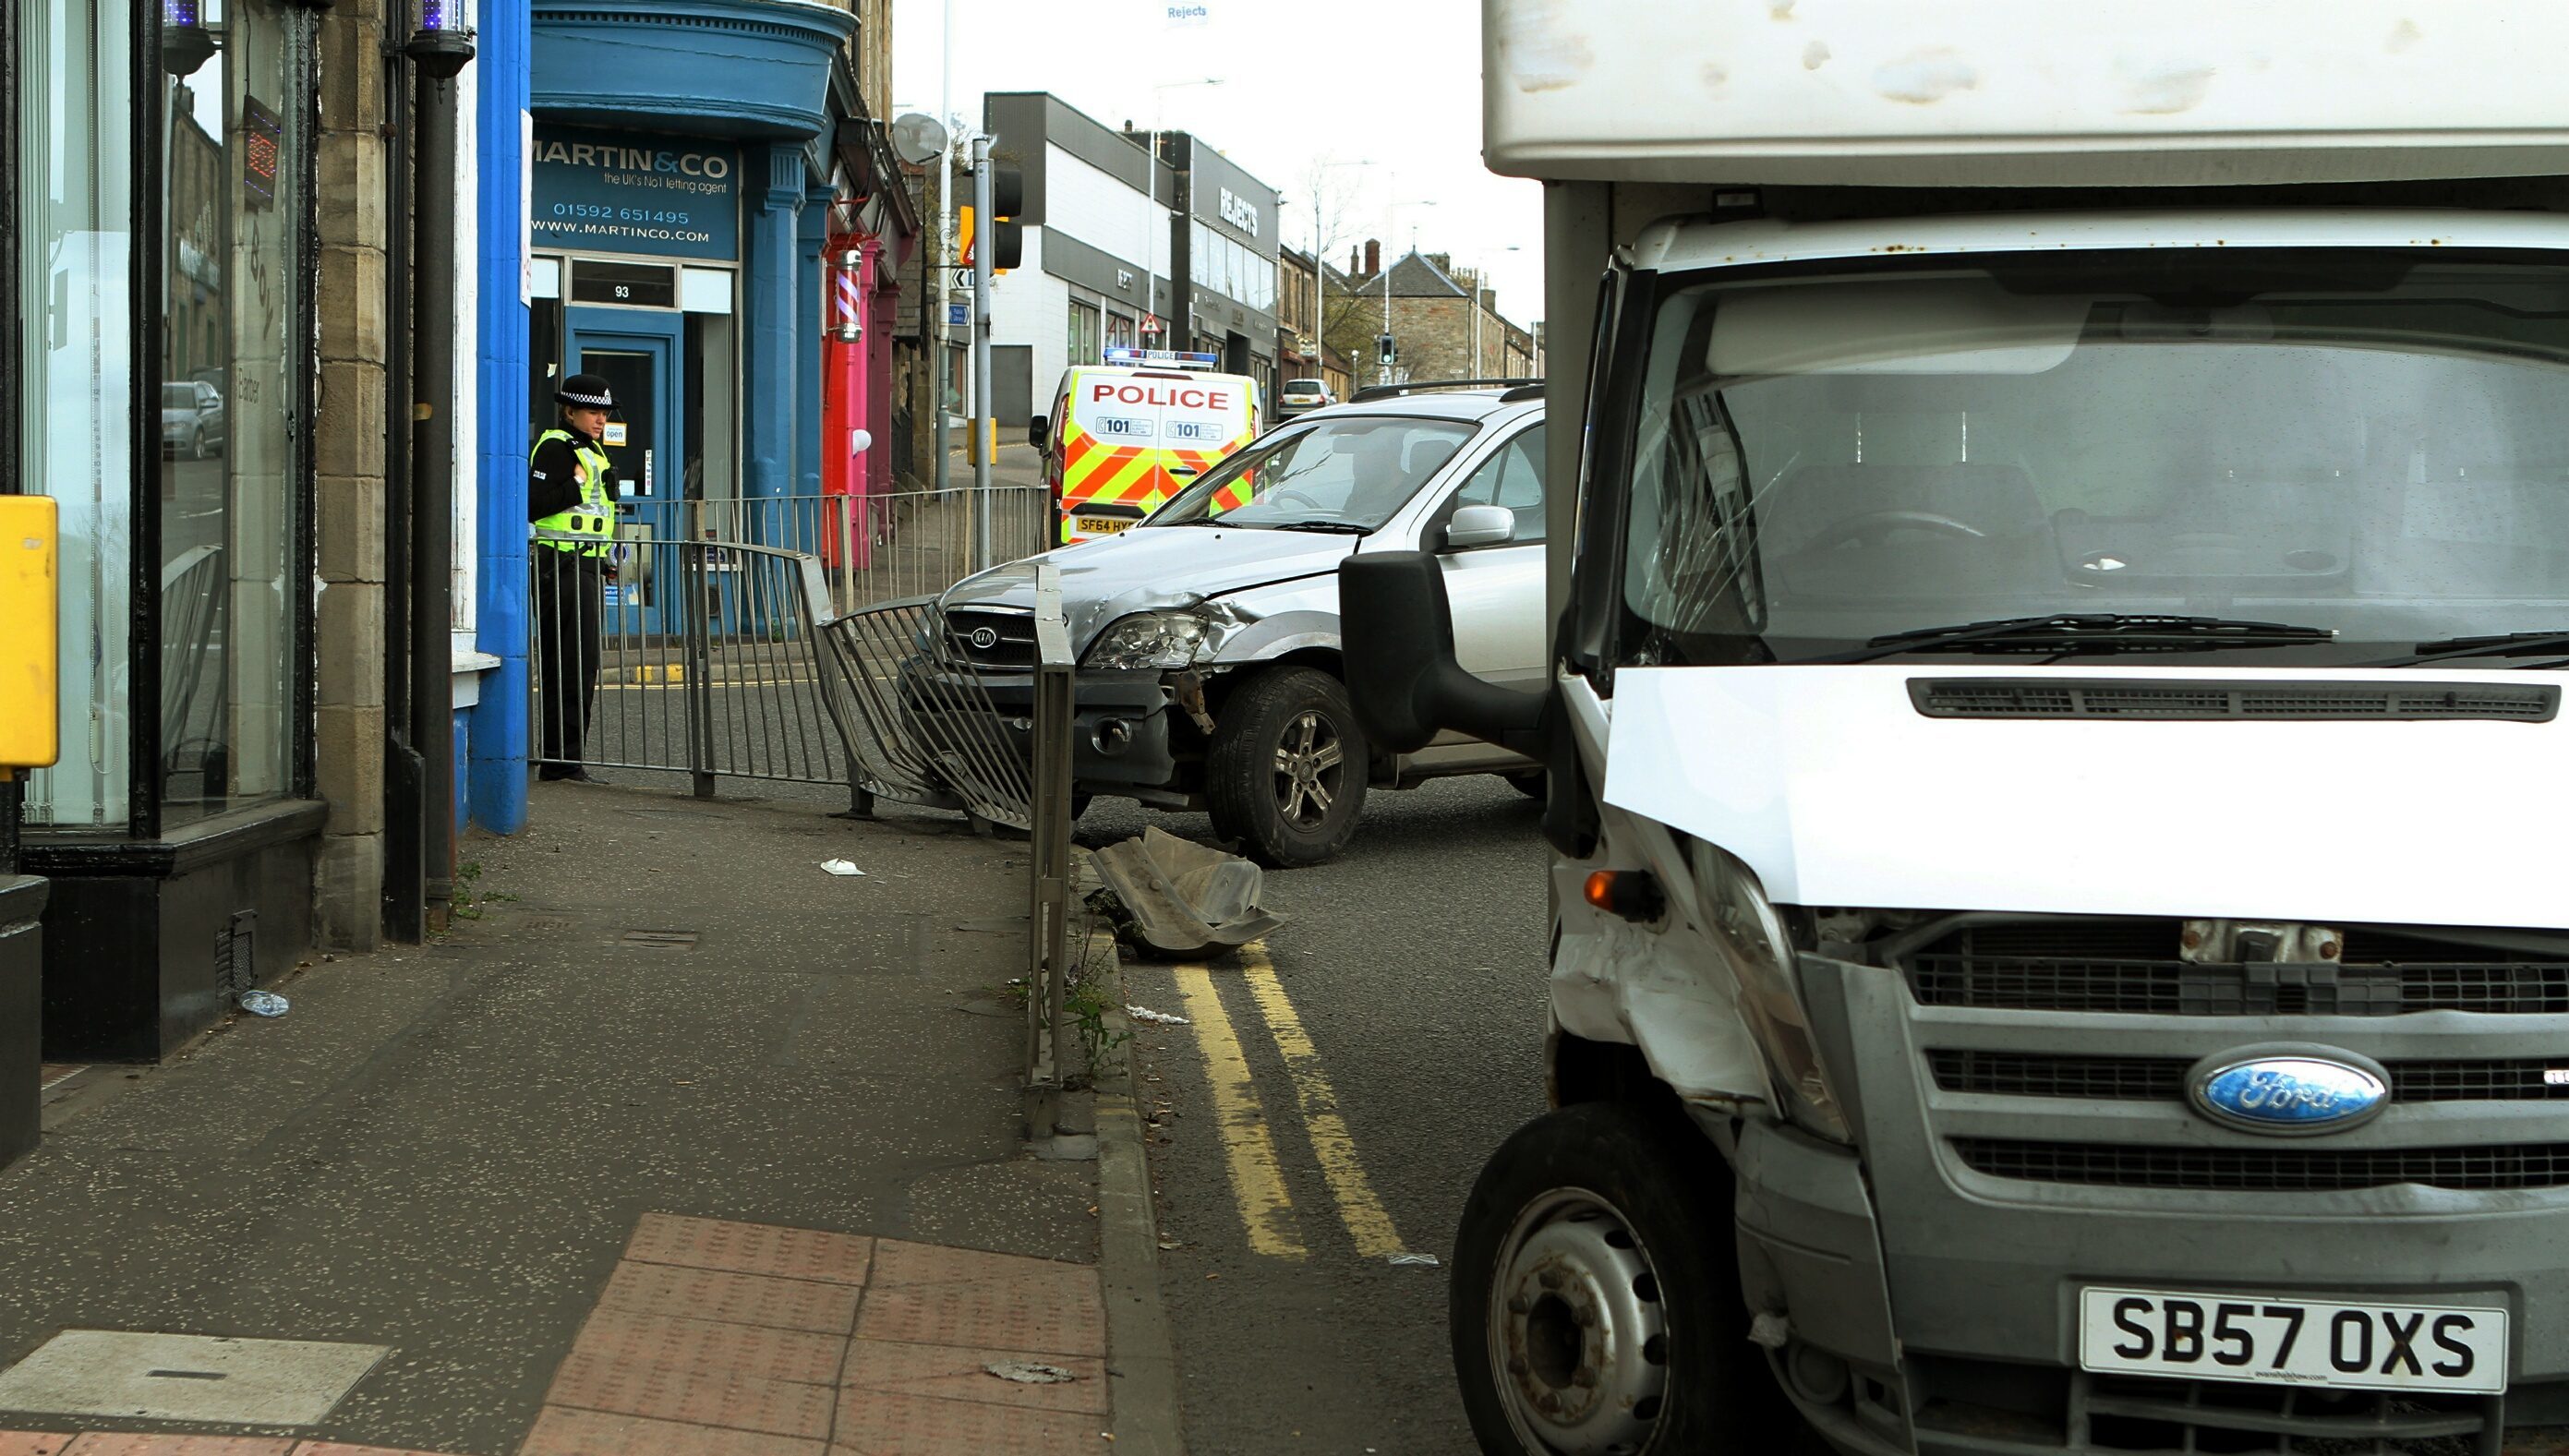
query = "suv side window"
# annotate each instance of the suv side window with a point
(1512, 478)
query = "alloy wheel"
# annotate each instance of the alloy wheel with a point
(1310, 769)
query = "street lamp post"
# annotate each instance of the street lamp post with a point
(1320, 270)
(1151, 172)
(1391, 211)
(1477, 271)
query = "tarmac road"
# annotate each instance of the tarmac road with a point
(1396, 1039)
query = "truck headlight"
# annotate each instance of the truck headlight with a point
(1162, 639)
(1745, 925)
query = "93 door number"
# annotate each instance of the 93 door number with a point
(2293, 1341)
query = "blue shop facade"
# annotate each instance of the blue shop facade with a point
(699, 180)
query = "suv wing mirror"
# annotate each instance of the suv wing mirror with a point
(1480, 525)
(1403, 675)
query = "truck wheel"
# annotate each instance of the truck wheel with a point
(1286, 774)
(1595, 1303)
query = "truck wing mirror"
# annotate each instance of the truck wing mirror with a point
(1407, 687)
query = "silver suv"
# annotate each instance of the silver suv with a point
(1208, 635)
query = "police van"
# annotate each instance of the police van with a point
(1128, 434)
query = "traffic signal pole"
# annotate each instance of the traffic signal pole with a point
(986, 247)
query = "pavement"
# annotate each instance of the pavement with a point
(674, 1144)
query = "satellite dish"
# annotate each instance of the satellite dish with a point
(918, 139)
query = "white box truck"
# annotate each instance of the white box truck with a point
(2060, 941)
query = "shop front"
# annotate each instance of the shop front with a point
(1229, 258)
(160, 160)
(707, 238)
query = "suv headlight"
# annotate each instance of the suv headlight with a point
(1162, 639)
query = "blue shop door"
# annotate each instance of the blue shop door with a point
(640, 355)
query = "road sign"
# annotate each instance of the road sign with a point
(958, 314)
(1151, 324)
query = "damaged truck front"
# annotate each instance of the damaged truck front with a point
(2053, 733)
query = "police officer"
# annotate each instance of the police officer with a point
(570, 497)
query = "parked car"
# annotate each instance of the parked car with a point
(191, 419)
(1208, 637)
(1301, 396)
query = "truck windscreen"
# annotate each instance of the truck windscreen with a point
(1825, 458)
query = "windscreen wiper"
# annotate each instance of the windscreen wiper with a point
(2498, 644)
(2089, 632)
(1333, 527)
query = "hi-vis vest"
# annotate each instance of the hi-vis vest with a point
(593, 519)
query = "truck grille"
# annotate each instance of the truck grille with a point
(2131, 967)
(989, 639)
(2162, 1079)
(2269, 1170)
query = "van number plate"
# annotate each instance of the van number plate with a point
(2283, 1341)
(1099, 525)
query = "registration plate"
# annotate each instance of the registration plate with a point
(1099, 525)
(2293, 1341)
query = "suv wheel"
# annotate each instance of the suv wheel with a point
(1286, 774)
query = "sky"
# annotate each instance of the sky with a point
(1392, 82)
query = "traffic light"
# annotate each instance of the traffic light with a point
(1007, 239)
(1384, 353)
(1007, 199)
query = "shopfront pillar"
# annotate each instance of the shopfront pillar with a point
(810, 267)
(772, 369)
(497, 788)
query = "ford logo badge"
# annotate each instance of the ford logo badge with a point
(2281, 1091)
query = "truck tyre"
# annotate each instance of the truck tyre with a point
(1286, 774)
(1595, 1305)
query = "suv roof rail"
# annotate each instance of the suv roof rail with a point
(1516, 388)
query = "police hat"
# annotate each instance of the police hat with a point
(586, 392)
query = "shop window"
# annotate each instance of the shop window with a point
(1086, 338)
(75, 210)
(235, 369)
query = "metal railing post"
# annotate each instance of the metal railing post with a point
(1048, 922)
(697, 693)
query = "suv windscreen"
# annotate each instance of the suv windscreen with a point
(2356, 441)
(1354, 473)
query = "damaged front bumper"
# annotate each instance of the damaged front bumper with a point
(1121, 728)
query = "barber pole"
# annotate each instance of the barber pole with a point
(844, 538)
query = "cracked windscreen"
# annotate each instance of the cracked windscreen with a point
(1350, 474)
(2356, 444)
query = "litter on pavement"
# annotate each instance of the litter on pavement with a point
(1028, 1372)
(841, 867)
(263, 1003)
(1416, 1260)
(1155, 1018)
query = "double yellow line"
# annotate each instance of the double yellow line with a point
(1256, 1176)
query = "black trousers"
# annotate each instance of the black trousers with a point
(567, 602)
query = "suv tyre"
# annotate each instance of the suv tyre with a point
(1286, 772)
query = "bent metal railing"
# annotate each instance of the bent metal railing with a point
(792, 639)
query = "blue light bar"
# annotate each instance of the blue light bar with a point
(1170, 357)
